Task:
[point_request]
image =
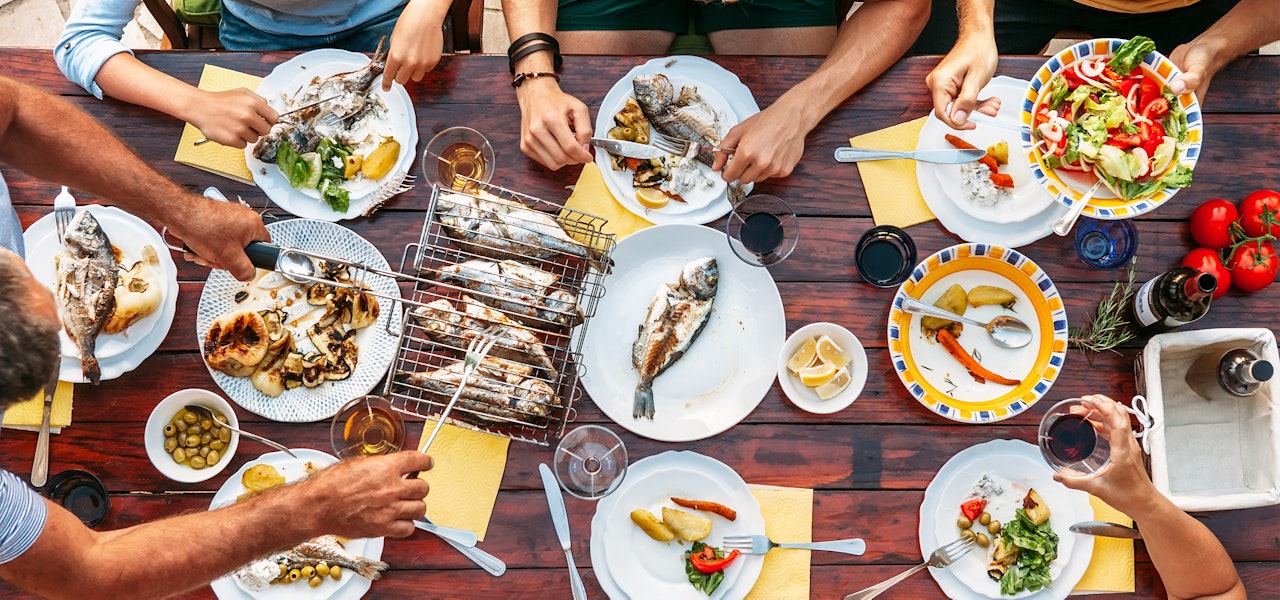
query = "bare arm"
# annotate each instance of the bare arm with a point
(1192, 562)
(48, 138)
(963, 72)
(555, 127)
(416, 42)
(358, 498)
(769, 144)
(1251, 24)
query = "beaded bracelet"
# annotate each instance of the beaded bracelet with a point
(521, 77)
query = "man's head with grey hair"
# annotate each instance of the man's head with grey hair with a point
(29, 327)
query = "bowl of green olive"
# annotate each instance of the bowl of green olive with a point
(189, 446)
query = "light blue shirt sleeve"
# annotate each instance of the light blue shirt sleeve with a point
(22, 516)
(92, 36)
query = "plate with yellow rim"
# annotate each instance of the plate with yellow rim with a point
(937, 379)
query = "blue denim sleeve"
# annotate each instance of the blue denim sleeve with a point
(22, 516)
(92, 36)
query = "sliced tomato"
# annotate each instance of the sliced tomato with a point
(1110, 73)
(1127, 84)
(1156, 109)
(1149, 92)
(1152, 136)
(1042, 116)
(1073, 80)
(1124, 140)
(972, 508)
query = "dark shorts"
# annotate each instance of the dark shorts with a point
(235, 34)
(673, 15)
(1026, 26)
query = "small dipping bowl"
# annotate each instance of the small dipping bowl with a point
(806, 398)
(80, 492)
(164, 411)
(885, 256)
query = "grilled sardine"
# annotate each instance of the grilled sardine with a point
(499, 228)
(519, 289)
(87, 280)
(260, 574)
(446, 325)
(676, 316)
(491, 390)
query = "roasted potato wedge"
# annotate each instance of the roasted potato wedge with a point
(954, 300)
(990, 294)
(260, 478)
(687, 526)
(1000, 152)
(652, 526)
(1036, 509)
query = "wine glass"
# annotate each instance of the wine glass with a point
(459, 158)
(366, 426)
(1106, 244)
(762, 230)
(590, 462)
(1070, 442)
(885, 256)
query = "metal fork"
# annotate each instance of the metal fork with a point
(761, 544)
(940, 559)
(681, 147)
(476, 351)
(64, 208)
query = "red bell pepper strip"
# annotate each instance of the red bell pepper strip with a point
(706, 561)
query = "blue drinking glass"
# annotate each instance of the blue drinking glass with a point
(1106, 244)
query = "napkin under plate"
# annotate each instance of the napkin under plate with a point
(788, 517)
(1111, 569)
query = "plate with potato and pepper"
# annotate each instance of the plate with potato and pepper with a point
(957, 370)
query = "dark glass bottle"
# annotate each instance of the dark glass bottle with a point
(1237, 371)
(1177, 297)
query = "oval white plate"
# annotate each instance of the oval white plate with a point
(805, 397)
(728, 369)
(287, 78)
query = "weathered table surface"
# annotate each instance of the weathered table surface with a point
(868, 464)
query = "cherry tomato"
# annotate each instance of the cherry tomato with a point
(1252, 209)
(1251, 269)
(1156, 109)
(1206, 260)
(1211, 223)
(972, 508)
(1148, 92)
(1152, 136)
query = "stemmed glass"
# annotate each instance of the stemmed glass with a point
(762, 230)
(458, 158)
(366, 426)
(1069, 441)
(590, 462)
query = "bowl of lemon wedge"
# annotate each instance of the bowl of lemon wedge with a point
(822, 368)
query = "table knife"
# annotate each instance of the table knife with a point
(945, 156)
(560, 518)
(628, 149)
(40, 468)
(488, 562)
(1105, 529)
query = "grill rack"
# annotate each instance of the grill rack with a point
(417, 352)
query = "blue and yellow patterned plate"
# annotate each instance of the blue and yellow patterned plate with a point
(1067, 187)
(937, 379)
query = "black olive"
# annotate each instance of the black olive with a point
(241, 295)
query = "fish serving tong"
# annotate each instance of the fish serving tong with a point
(476, 351)
(940, 559)
(64, 208)
(680, 147)
(761, 544)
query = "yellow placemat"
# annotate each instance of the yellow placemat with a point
(464, 481)
(591, 196)
(1111, 568)
(788, 517)
(891, 185)
(212, 156)
(30, 413)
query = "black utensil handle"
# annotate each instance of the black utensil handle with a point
(263, 255)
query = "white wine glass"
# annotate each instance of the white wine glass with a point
(458, 158)
(366, 426)
(590, 462)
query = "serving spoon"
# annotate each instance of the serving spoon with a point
(205, 412)
(1006, 331)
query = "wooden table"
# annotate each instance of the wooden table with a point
(868, 464)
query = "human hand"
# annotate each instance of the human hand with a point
(555, 128)
(1198, 63)
(1123, 483)
(957, 80)
(416, 43)
(217, 233)
(369, 496)
(233, 118)
(768, 144)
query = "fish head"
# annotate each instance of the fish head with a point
(85, 236)
(653, 92)
(701, 277)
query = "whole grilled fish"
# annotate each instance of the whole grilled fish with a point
(303, 128)
(446, 325)
(490, 390)
(259, 574)
(499, 228)
(686, 116)
(87, 281)
(519, 289)
(676, 316)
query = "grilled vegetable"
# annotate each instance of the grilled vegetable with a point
(380, 161)
(980, 373)
(687, 526)
(651, 525)
(713, 507)
(989, 294)
(953, 300)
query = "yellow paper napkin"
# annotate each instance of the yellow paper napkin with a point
(212, 156)
(591, 196)
(30, 413)
(891, 185)
(1111, 569)
(788, 517)
(464, 481)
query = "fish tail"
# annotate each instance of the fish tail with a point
(89, 366)
(643, 405)
(371, 569)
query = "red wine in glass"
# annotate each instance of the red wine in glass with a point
(761, 233)
(1072, 438)
(1069, 442)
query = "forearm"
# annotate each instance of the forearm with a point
(529, 16)
(126, 78)
(1250, 25)
(976, 17)
(1192, 562)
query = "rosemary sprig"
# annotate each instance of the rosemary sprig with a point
(1109, 327)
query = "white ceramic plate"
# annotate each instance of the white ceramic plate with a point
(722, 89)
(351, 587)
(377, 347)
(945, 202)
(121, 352)
(804, 397)
(728, 369)
(1017, 466)
(630, 564)
(290, 76)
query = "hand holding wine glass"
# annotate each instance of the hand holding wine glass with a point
(1123, 483)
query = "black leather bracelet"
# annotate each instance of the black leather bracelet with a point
(529, 37)
(557, 61)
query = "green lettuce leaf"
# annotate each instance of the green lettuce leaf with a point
(1129, 54)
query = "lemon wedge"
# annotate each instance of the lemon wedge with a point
(830, 352)
(837, 384)
(652, 197)
(818, 374)
(803, 357)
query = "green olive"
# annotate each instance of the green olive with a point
(284, 571)
(180, 425)
(213, 458)
(219, 418)
(192, 441)
(963, 523)
(170, 430)
(217, 444)
(968, 535)
(206, 423)
(315, 580)
(308, 571)
(335, 572)
(295, 575)
(170, 444)
(204, 451)
(985, 518)
(179, 456)
(206, 438)
(322, 569)
(225, 435)
(994, 527)
(197, 462)
(189, 417)
(194, 430)
(983, 540)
